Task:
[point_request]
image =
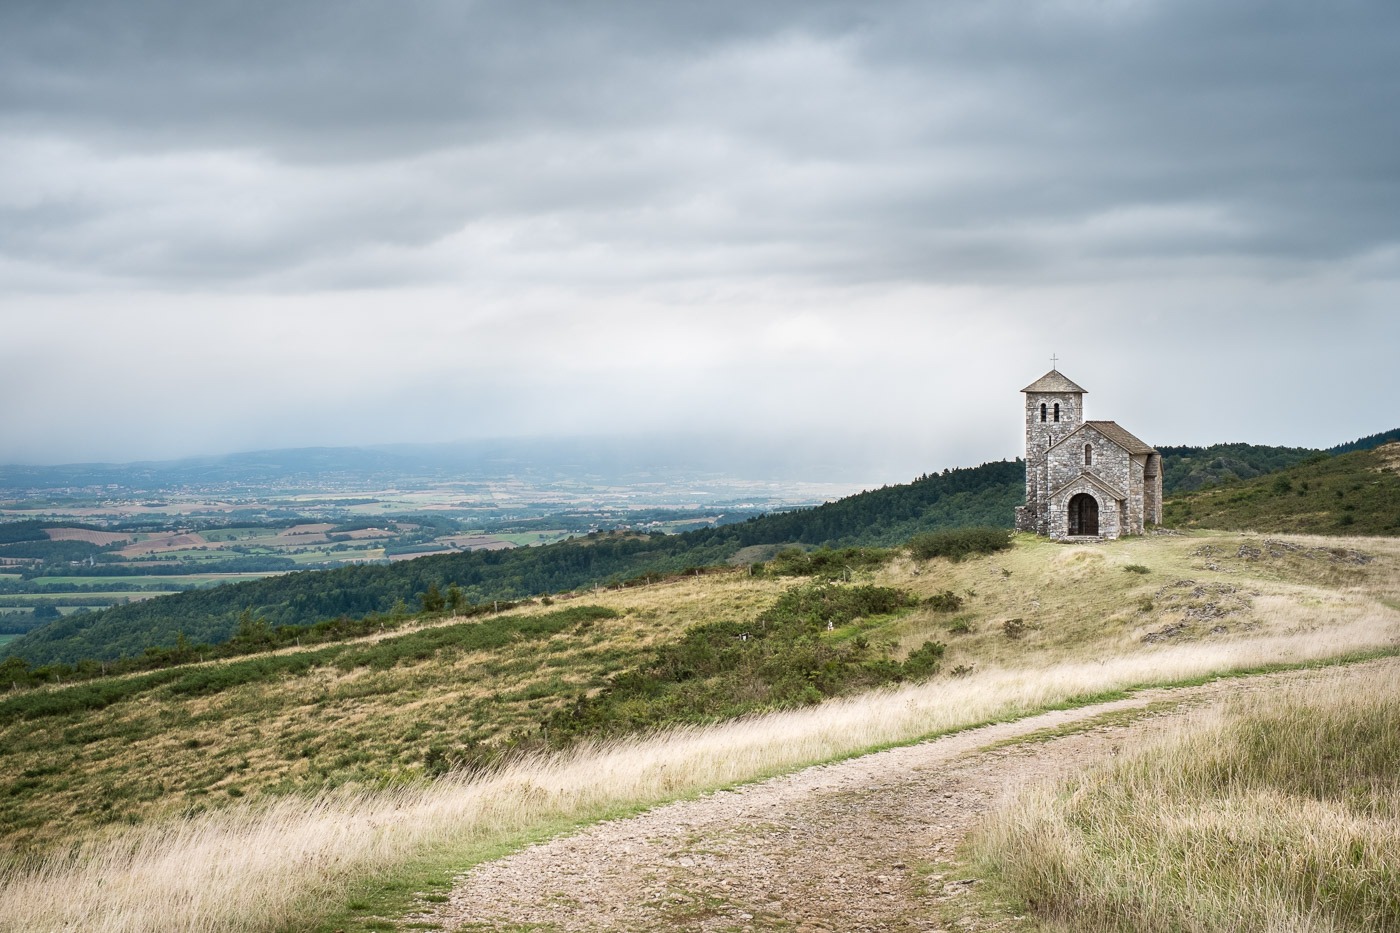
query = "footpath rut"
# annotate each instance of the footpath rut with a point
(859, 845)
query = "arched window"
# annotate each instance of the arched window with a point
(1057, 411)
(1042, 411)
(1088, 454)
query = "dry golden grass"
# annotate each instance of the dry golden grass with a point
(1273, 812)
(268, 863)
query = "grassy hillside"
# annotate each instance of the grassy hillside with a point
(1186, 468)
(1352, 493)
(411, 704)
(212, 766)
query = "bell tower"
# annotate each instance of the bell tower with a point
(1054, 408)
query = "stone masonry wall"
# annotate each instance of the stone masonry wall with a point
(1152, 491)
(1110, 463)
(1110, 520)
(1040, 435)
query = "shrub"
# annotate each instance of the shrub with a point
(1136, 568)
(1013, 628)
(946, 601)
(961, 626)
(827, 563)
(958, 543)
(923, 661)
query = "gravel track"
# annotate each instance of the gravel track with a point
(859, 845)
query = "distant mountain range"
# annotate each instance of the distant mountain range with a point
(597, 460)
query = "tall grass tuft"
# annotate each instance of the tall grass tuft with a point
(1279, 811)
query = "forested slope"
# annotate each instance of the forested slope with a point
(1352, 493)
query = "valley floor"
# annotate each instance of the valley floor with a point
(865, 844)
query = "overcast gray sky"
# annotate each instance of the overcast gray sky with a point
(231, 225)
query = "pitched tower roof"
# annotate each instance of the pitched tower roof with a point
(1053, 381)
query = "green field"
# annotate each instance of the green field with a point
(162, 581)
(237, 534)
(80, 598)
(528, 538)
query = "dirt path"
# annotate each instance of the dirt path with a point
(854, 846)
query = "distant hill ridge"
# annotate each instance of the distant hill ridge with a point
(1350, 493)
(983, 495)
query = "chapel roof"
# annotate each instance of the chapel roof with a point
(1120, 436)
(1053, 381)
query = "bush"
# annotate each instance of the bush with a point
(1136, 568)
(946, 601)
(958, 543)
(827, 563)
(923, 662)
(1013, 628)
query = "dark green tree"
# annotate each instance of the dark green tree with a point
(432, 600)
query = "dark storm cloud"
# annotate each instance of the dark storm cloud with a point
(963, 141)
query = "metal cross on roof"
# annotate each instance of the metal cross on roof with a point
(1054, 362)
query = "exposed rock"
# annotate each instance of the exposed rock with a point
(1337, 555)
(1165, 634)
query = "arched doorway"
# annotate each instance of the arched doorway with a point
(1083, 515)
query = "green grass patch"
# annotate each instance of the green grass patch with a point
(156, 581)
(1121, 717)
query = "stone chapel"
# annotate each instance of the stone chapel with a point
(1086, 480)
